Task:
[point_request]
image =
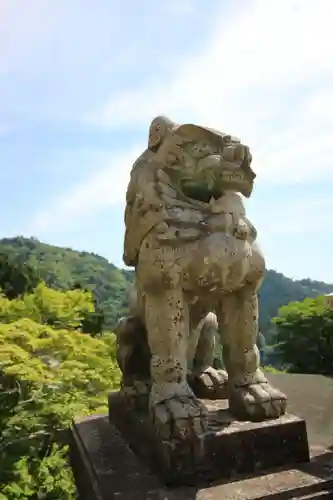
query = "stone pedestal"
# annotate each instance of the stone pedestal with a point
(229, 448)
(105, 468)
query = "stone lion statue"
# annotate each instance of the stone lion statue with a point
(197, 264)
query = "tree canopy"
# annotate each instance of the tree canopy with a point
(304, 336)
(16, 278)
(64, 268)
(49, 372)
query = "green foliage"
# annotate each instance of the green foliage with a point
(16, 278)
(50, 307)
(277, 290)
(61, 268)
(304, 336)
(49, 373)
(272, 369)
(93, 321)
(64, 269)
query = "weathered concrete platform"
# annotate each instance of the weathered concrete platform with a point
(309, 397)
(228, 448)
(106, 468)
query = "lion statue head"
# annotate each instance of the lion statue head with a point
(184, 165)
(206, 162)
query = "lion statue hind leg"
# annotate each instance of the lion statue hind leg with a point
(205, 381)
(133, 356)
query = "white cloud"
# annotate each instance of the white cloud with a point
(300, 216)
(62, 57)
(300, 159)
(105, 188)
(262, 64)
(265, 74)
(268, 44)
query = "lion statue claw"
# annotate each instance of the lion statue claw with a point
(198, 270)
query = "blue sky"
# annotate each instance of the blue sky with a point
(80, 82)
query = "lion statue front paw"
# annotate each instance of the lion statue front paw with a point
(209, 383)
(257, 401)
(177, 413)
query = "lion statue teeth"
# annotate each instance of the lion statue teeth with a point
(198, 270)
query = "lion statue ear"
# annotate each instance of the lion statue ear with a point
(158, 130)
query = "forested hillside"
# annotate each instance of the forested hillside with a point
(62, 268)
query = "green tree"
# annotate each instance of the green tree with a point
(60, 268)
(93, 321)
(304, 336)
(49, 373)
(16, 278)
(50, 307)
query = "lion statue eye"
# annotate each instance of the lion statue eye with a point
(200, 149)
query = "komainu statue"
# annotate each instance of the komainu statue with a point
(197, 263)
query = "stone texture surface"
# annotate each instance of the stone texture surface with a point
(229, 447)
(196, 258)
(105, 468)
(309, 397)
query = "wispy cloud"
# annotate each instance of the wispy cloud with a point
(105, 188)
(259, 51)
(260, 75)
(67, 55)
(261, 70)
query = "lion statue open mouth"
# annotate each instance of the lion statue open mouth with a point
(194, 252)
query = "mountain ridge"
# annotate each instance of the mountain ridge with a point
(62, 268)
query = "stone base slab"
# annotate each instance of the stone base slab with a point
(106, 468)
(230, 447)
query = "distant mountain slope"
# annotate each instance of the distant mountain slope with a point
(62, 267)
(278, 290)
